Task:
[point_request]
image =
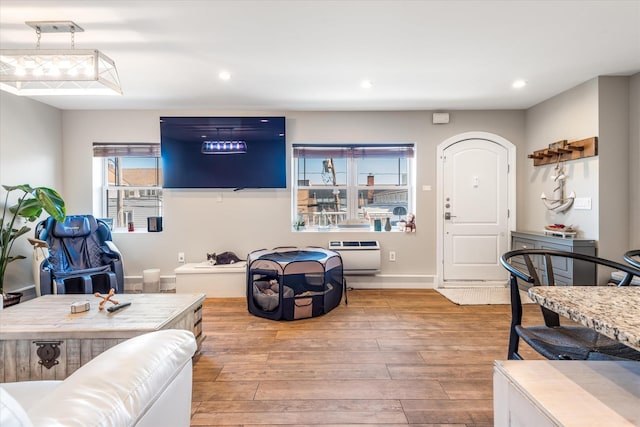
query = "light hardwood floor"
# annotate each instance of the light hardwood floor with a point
(389, 357)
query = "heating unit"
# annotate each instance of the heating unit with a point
(358, 256)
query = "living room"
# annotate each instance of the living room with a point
(42, 144)
(201, 222)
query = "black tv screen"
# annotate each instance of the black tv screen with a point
(184, 165)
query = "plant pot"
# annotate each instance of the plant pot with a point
(11, 298)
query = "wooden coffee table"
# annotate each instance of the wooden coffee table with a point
(41, 339)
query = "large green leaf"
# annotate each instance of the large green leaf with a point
(52, 202)
(29, 209)
(29, 206)
(17, 233)
(24, 187)
(15, 258)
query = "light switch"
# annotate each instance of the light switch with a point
(582, 203)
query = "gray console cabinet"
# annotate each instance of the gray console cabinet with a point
(567, 271)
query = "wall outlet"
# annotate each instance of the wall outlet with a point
(392, 256)
(181, 257)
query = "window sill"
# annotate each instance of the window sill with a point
(344, 230)
(125, 231)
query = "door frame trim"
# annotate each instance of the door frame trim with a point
(511, 195)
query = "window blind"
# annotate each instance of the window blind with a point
(141, 149)
(353, 151)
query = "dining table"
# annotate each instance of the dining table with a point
(613, 311)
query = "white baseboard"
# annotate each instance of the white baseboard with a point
(475, 284)
(389, 281)
(380, 281)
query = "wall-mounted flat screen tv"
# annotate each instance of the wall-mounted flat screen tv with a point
(261, 165)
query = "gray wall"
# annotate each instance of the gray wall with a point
(634, 161)
(30, 153)
(571, 115)
(607, 107)
(197, 222)
(613, 152)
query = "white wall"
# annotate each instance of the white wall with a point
(30, 153)
(196, 222)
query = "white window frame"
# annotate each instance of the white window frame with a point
(103, 152)
(352, 188)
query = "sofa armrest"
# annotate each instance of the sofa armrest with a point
(120, 385)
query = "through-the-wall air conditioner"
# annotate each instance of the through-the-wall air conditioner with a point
(358, 256)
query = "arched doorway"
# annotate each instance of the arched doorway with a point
(475, 208)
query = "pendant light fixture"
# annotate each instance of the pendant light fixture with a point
(224, 146)
(33, 72)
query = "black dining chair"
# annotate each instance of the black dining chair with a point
(633, 257)
(553, 340)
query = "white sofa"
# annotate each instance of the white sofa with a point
(144, 381)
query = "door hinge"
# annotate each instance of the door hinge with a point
(508, 213)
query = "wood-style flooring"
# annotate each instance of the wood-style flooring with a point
(389, 357)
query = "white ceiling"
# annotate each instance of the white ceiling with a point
(313, 55)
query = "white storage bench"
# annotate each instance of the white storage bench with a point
(216, 281)
(562, 393)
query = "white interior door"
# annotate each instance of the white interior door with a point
(476, 216)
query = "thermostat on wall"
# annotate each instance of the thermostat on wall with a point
(440, 118)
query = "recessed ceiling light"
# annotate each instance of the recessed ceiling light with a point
(518, 84)
(366, 84)
(224, 75)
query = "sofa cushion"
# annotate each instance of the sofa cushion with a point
(12, 414)
(27, 393)
(123, 392)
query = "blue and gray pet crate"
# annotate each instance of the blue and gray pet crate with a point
(289, 283)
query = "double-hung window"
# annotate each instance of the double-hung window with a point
(129, 183)
(353, 185)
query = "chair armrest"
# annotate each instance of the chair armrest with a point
(119, 385)
(633, 257)
(115, 252)
(504, 260)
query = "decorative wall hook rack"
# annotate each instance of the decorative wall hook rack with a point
(562, 151)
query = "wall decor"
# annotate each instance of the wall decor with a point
(562, 151)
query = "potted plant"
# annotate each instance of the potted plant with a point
(30, 204)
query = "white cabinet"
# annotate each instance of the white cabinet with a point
(216, 281)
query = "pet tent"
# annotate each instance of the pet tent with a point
(291, 283)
